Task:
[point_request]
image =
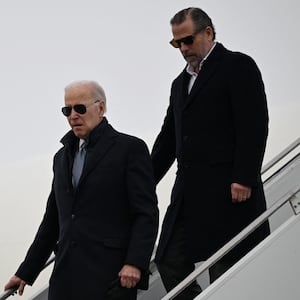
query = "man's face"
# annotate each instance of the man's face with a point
(201, 45)
(83, 124)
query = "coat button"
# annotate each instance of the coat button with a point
(73, 216)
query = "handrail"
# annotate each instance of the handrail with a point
(9, 292)
(14, 289)
(213, 258)
(230, 245)
(280, 156)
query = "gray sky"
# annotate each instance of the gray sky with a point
(124, 46)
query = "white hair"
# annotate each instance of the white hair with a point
(96, 89)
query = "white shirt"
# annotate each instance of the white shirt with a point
(81, 141)
(190, 68)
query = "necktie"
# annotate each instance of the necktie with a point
(78, 164)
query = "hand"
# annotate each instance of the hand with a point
(240, 193)
(129, 276)
(16, 281)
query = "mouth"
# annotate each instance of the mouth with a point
(75, 126)
(189, 55)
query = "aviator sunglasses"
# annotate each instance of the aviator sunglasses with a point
(79, 108)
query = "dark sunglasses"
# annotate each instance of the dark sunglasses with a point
(79, 108)
(187, 40)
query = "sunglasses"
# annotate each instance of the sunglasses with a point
(79, 108)
(187, 40)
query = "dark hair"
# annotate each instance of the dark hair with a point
(199, 17)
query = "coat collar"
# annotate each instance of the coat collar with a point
(208, 68)
(99, 144)
(101, 139)
(70, 140)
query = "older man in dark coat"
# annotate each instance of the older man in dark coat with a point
(216, 127)
(102, 223)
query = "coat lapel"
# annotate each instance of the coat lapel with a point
(183, 92)
(70, 143)
(207, 70)
(98, 150)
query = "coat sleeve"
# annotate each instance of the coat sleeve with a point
(164, 149)
(143, 206)
(250, 122)
(42, 246)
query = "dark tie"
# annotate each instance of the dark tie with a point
(78, 164)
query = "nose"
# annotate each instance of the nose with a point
(183, 47)
(73, 114)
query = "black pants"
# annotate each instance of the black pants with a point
(117, 292)
(175, 265)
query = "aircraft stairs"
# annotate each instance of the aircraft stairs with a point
(270, 271)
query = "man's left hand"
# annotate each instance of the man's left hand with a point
(129, 276)
(240, 193)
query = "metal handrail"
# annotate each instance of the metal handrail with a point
(9, 293)
(14, 289)
(210, 261)
(230, 245)
(280, 156)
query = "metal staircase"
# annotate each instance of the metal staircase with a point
(282, 184)
(282, 189)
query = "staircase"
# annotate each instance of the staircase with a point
(271, 270)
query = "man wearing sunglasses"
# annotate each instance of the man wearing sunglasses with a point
(101, 223)
(216, 128)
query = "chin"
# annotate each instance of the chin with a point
(80, 135)
(194, 63)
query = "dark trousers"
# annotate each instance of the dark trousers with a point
(175, 265)
(117, 292)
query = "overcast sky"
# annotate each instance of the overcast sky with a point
(124, 46)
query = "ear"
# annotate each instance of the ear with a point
(209, 32)
(102, 108)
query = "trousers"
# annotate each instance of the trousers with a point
(176, 265)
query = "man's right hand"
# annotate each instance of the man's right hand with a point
(16, 281)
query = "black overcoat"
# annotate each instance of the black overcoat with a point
(111, 219)
(218, 135)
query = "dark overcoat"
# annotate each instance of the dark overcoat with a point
(111, 219)
(218, 135)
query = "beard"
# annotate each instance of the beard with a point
(192, 58)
